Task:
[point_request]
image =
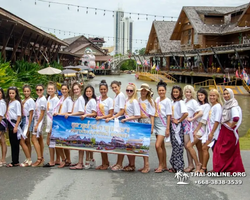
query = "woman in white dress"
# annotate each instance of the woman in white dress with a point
(37, 137)
(13, 116)
(77, 110)
(119, 105)
(28, 107)
(213, 126)
(64, 107)
(162, 125)
(3, 127)
(132, 114)
(52, 104)
(200, 129)
(147, 107)
(194, 112)
(104, 109)
(90, 111)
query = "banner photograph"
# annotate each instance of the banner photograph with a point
(97, 135)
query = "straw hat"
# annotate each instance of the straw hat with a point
(145, 86)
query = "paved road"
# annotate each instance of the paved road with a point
(43, 183)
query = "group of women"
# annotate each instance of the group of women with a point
(187, 120)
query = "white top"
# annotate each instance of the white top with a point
(215, 114)
(40, 105)
(205, 109)
(14, 110)
(178, 109)
(2, 108)
(192, 107)
(66, 106)
(132, 109)
(79, 105)
(147, 107)
(119, 102)
(234, 113)
(28, 106)
(90, 106)
(164, 107)
(105, 106)
(52, 104)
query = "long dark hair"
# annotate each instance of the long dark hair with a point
(84, 94)
(180, 97)
(17, 97)
(203, 91)
(3, 95)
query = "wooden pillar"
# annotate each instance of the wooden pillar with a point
(45, 46)
(33, 48)
(168, 63)
(38, 50)
(27, 46)
(52, 51)
(56, 52)
(6, 41)
(13, 56)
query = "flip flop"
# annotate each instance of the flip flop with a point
(77, 168)
(159, 171)
(67, 164)
(147, 170)
(12, 165)
(172, 170)
(48, 165)
(188, 170)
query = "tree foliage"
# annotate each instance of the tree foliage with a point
(128, 65)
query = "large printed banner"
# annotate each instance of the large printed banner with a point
(92, 135)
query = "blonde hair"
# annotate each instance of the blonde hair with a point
(218, 95)
(135, 93)
(191, 88)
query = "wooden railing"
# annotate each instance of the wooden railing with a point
(168, 76)
(210, 83)
(234, 82)
(247, 88)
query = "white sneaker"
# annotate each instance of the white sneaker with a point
(92, 163)
(87, 165)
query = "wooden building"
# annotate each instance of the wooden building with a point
(77, 46)
(208, 39)
(21, 40)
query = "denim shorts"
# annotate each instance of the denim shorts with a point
(23, 122)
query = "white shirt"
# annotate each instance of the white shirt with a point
(132, 109)
(40, 105)
(147, 107)
(205, 109)
(79, 105)
(105, 106)
(2, 108)
(178, 109)
(90, 106)
(215, 114)
(192, 107)
(234, 113)
(14, 110)
(164, 107)
(28, 106)
(119, 102)
(52, 104)
(66, 106)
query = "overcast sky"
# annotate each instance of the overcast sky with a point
(59, 17)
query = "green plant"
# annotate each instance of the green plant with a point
(214, 77)
(191, 73)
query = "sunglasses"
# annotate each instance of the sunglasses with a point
(39, 90)
(12, 87)
(129, 91)
(176, 86)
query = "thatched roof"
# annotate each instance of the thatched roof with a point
(193, 15)
(163, 31)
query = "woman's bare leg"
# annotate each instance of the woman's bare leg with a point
(159, 150)
(3, 147)
(190, 159)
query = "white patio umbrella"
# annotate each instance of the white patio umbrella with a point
(49, 71)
